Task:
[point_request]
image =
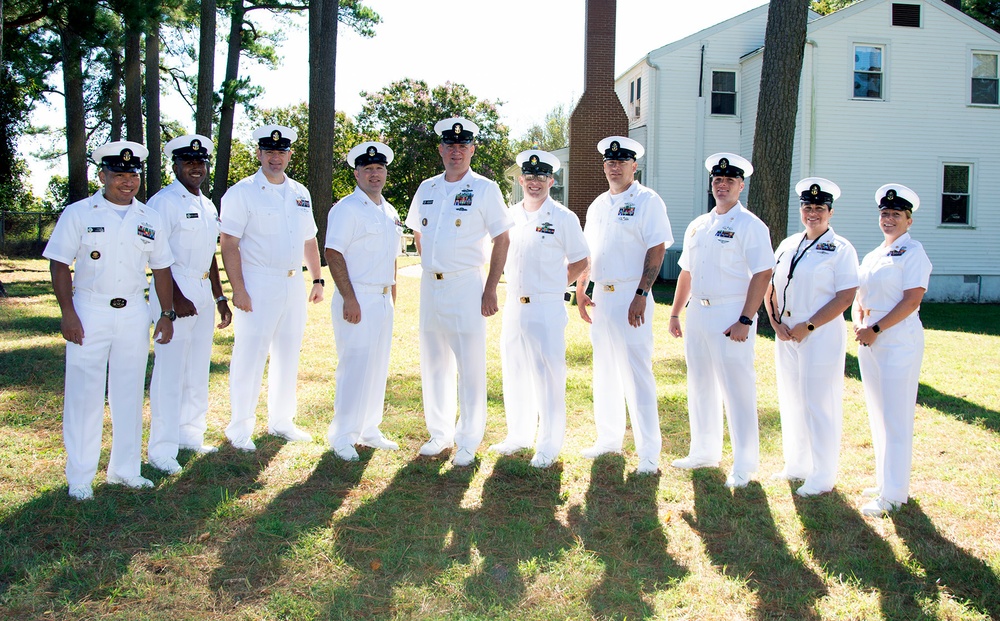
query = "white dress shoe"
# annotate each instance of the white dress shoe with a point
(133, 482)
(648, 466)
(380, 442)
(434, 446)
(872, 492)
(169, 465)
(247, 446)
(690, 463)
(201, 449)
(808, 491)
(596, 451)
(541, 460)
(81, 492)
(785, 476)
(879, 507)
(737, 480)
(292, 434)
(347, 452)
(464, 457)
(507, 447)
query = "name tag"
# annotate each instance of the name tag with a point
(428, 202)
(95, 229)
(191, 216)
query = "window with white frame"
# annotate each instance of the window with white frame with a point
(955, 193)
(985, 78)
(724, 92)
(868, 70)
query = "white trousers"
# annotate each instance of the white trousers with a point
(114, 354)
(178, 391)
(274, 328)
(721, 377)
(890, 373)
(362, 368)
(533, 357)
(623, 373)
(810, 378)
(453, 341)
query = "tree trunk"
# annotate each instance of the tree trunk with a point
(774, 136)
(154, 166)
(133, 89)
(205, 102)
(115, 96)
(322, 108)
(76, 129)
(228, 112)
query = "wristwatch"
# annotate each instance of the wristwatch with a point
(169, 314)
(641, 292)
(810, 326)
(221, 298)
(876, 329)
(746, 320)
(320, 282)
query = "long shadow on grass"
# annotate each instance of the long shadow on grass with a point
(847, 548)
(744, 543)
(947, 566)
(412, 533)
(515, 524)
(620, 524)
(930, 397)
(74, 552)
(252, 558)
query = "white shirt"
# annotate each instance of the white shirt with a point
(621, 228)
(367, 235)
(272, 222)
(455, 224)
(723, 252)
(542, 244)
(191, 224)
(888, 271)
(111, 252)
(821, 270)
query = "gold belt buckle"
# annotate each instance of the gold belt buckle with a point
(609, 287)
(438, 276)
(204, 276)
(525, 299)
(385, 290)
(291, 273)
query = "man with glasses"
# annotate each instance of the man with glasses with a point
(451, 216)
(628, 232)
(547, 253)
(726, 266)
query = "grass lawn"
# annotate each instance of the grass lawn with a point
(290, 532)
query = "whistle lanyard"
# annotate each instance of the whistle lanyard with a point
(797, 256)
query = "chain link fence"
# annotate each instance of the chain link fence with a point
(25, 233)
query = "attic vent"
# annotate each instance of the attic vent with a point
(906, 15)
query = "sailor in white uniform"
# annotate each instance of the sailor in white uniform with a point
(726, 266)
(814, 281)
(268, 230)
(110, 239)
(893, 279)
(362, 243)
(628, 231)
(452, 215)
(547, 252)
(178, 391)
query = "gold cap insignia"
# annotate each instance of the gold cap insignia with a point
(372, 151)
(196, 145)
(276, 135)
(126, 155)
(723, 163)
(457, 128)
(890, 195)
(814, 189)
(614, 145)
(533, 160)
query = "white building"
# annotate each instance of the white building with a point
(891, 91)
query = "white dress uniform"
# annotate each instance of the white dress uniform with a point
(456, 221)
(620, 229)
(368, 236)
(533, 337)
(810, 374)
(111, 250)
(722, 253)
(890, 368)
(178, 391)
(273, 223)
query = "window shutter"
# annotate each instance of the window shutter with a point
(907, 15)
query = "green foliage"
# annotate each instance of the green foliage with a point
(825, 7)
(552, 134)
(403, 115)
(986, 11)
(358, 17)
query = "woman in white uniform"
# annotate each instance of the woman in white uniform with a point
(813, 283)
(893, 279)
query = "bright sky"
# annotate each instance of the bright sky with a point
(527, 54)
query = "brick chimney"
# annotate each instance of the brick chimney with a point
(598, 113)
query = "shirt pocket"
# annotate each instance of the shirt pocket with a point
(192, 233)
(269, 220)
(374, 233)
